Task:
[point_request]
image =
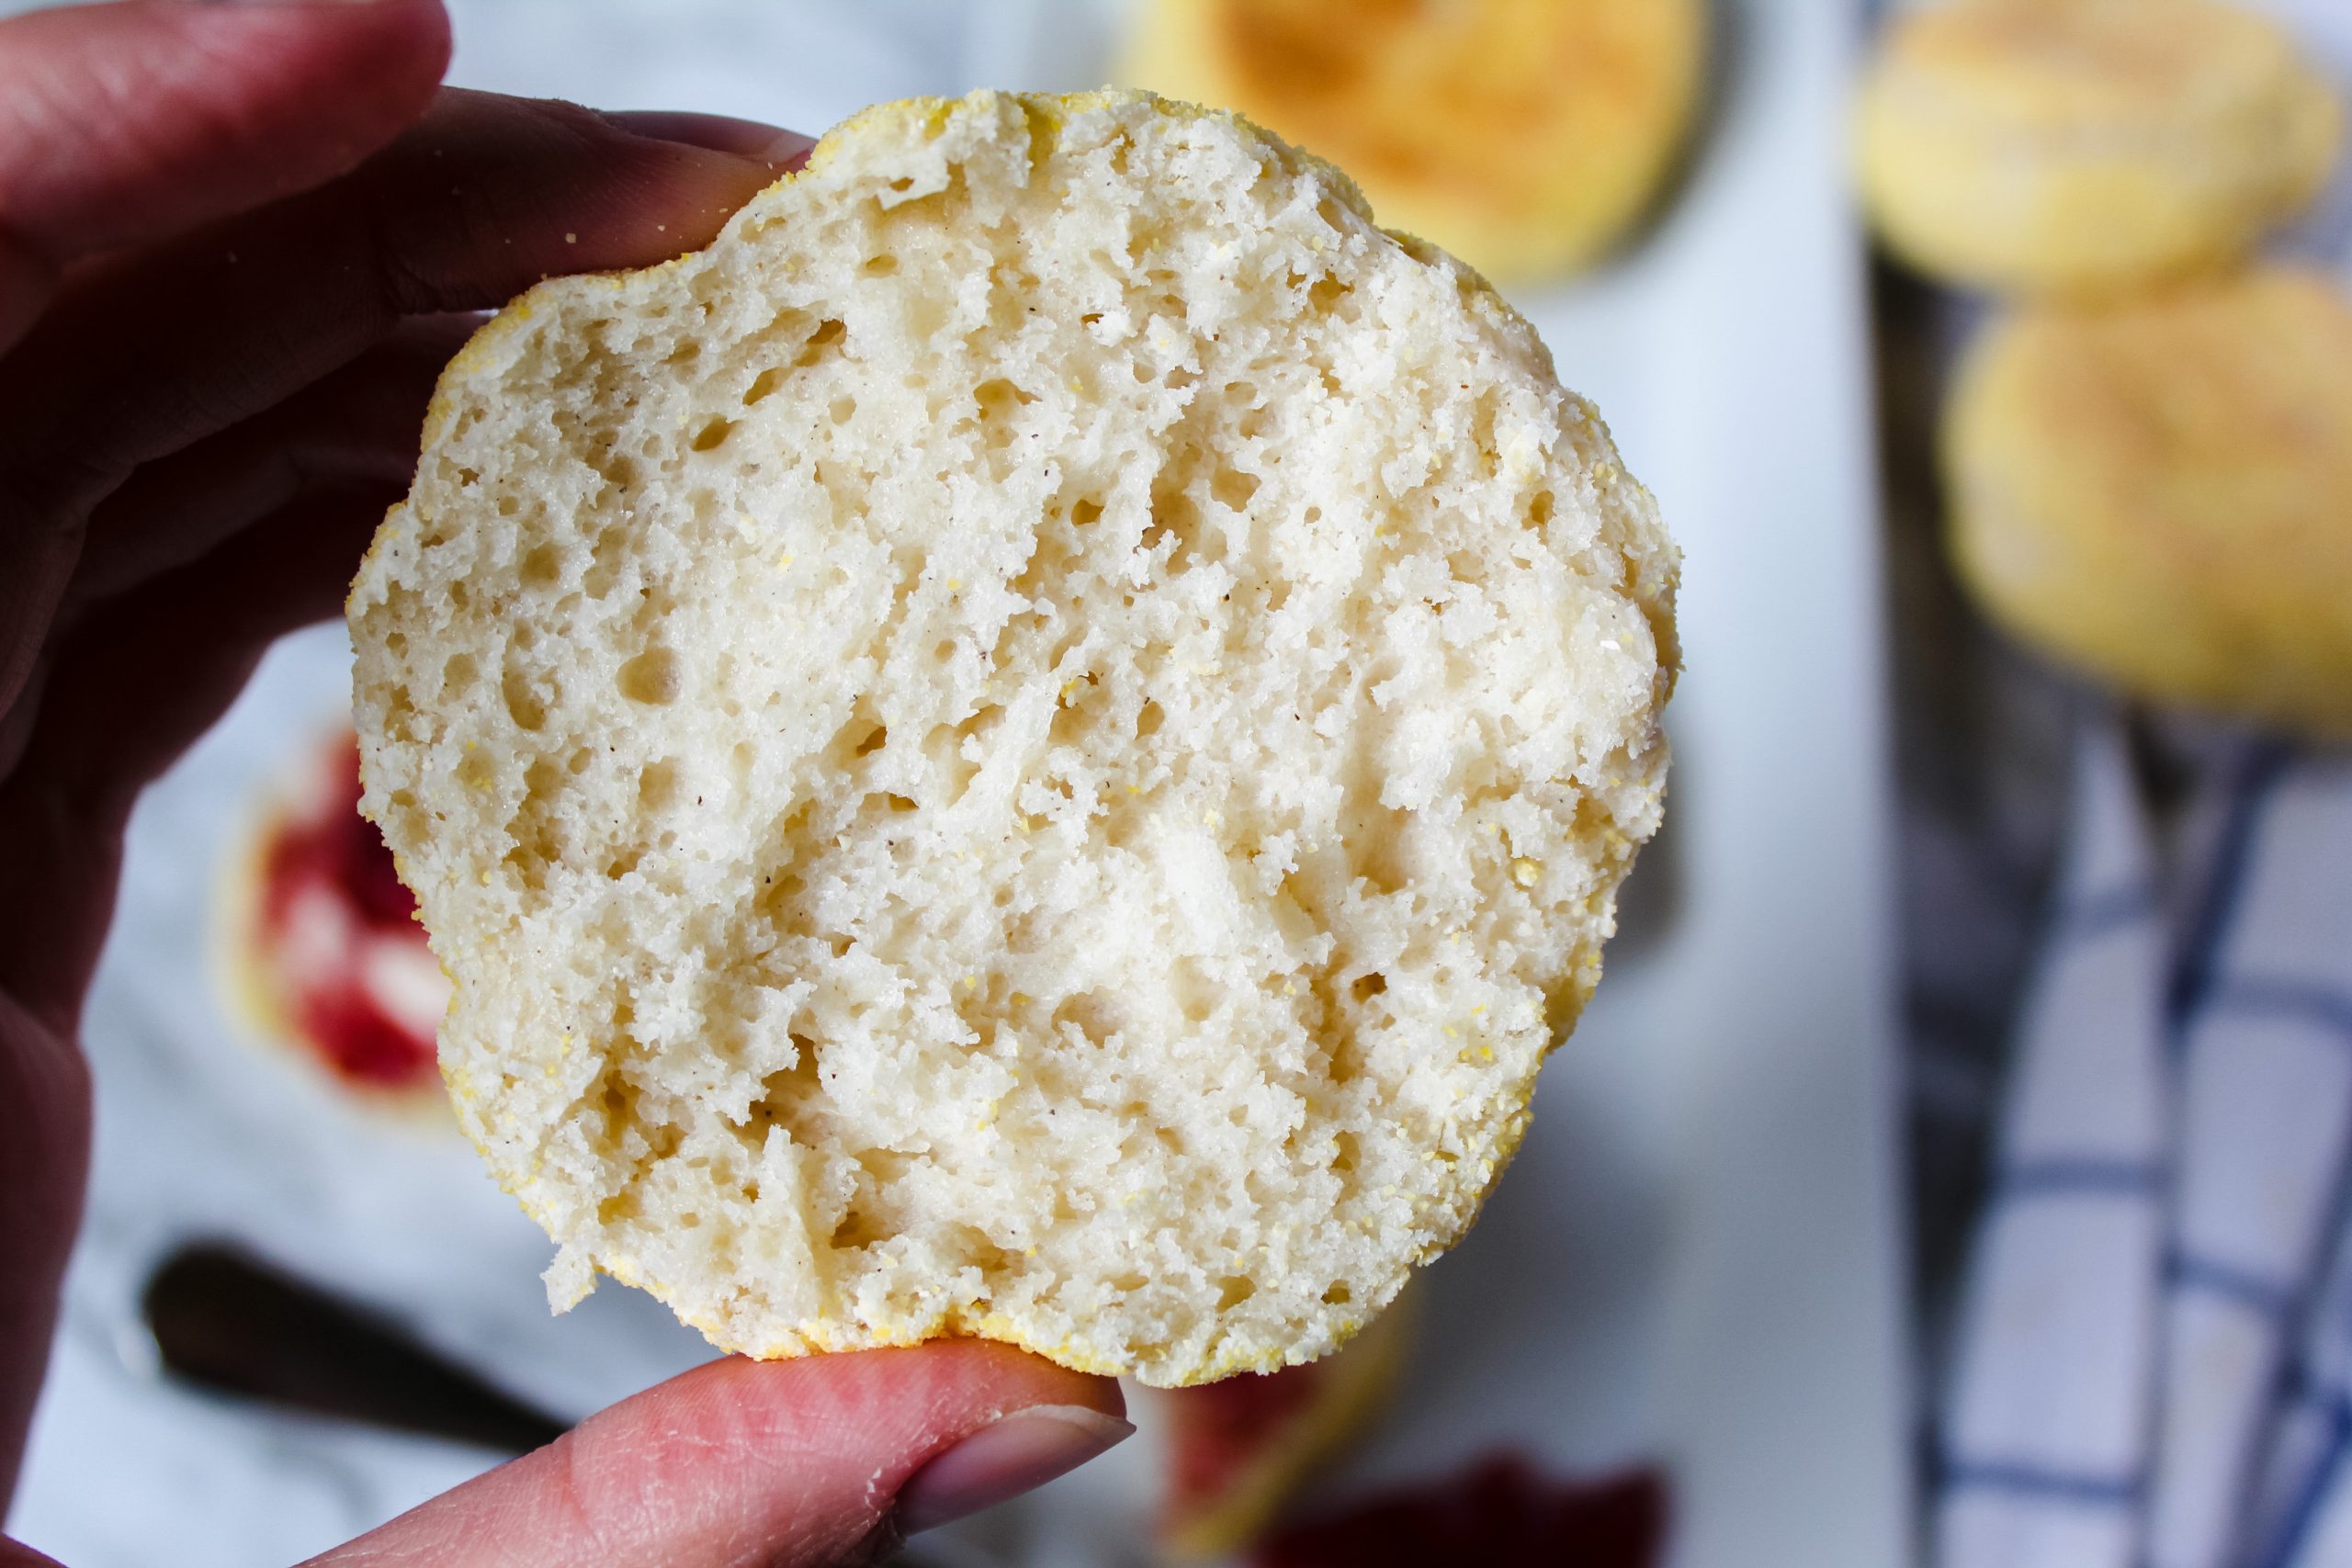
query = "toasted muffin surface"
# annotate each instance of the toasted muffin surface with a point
(2088, 146)
(1524, 136)
(2158, 492)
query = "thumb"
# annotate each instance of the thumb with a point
(121, 124)
(774, 1464)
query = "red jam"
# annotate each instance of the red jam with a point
(1224, 1425)
(340, 947)
(1499, 1514)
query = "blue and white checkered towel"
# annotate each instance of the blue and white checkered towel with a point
(2155, 1354)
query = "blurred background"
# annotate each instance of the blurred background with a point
(1718, 1311)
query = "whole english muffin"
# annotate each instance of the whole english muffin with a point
(1037, 743)
(2160, 492)
(2088, 146)
(1526, 136)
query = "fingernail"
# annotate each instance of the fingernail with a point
(1018, 1451)
(717, 133)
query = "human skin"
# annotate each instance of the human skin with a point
(237, 243)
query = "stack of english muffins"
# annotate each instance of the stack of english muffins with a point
(2148, 454)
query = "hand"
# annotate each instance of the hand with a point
(237, 243)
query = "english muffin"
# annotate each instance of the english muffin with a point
(1526, 136)
(1036, 743)
(2088, 146)
(2160, 492)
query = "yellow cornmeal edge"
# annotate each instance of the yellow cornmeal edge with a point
(1052, 112)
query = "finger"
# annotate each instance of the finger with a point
(485, 197)
(44, 1154)
(787, 150)
(142, 357)
(122, 123)
(362, 422)
(127, 692)
(782, 1464)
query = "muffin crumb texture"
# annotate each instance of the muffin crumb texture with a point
(1037, 743)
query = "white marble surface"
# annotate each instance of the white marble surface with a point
(1696, 1259)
